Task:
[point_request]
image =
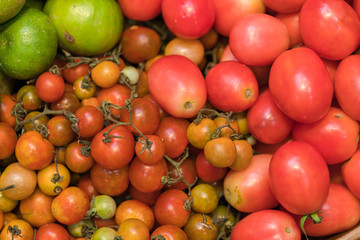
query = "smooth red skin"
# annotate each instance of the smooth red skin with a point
(347, 85)
(266, 122)
(173, 132)
(187, 170)
(291, 21)
(169, 208)
(109, 182)
(8, 139)
(116, 154)
(147, 178)
(91, 121)
(266, 224)
(335, 136)
(303, 89)
(75, 160)
(87, 186)
(242, 188)
(341, 212)
(258, 38)
(72, 74)
(356, 6)
(206, 171)
(33, 151)
(157, 149)
(331, 28)
(174, 82)
(70, 206)
(179, 15)
(170, 232)
(350, 174)
(144, 115)
(116, 95)
(299, 177)
(50, 87)
(140, 10)
(7, 102)
(227, 83)
(284, 6)
(52, 231)
(230, 11)
(331, 66)
(147, 198)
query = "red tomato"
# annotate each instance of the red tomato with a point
(229, 11)
(258, 38)
(291, 21)
(330, 28)
(266, 224)
(242, 188)
(8, 139)
(157, 149)
(60, 132)
(341, 212)
(87, 186)
(303, 89)
(284, 6)
(170, 232)
(347, 85)
(140, 10)
(52, 231)
(147, 198)
(231, 86)
(178, 15)
(7, 102)
(187, 170)
(91, 121)
(50, 87)
(266, 122)
(335, 136)
(350, 174)
(75, 160)
(177, 85)
(299, 177)
(206, 171)
(116, 152)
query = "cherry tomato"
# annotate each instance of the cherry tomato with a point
(200, 226)
(105, 74)
(206, 171)
(74, 73)
(104, 206)
(7, 102)
(53, 179)
(90, 121)
(75, 160)
(189, 48)
(204, 197)
(28, 97)
(8, 140)
(84, 92)
(134, 229)
(170, 232)
(154, 153)
(140, 10)
(244, 155)
(149, 198)
(17, 229)
(350, 174)
(60, 132)
(52, 231)
(87, 186)
(50, 87)
(68, 102)
(201, 133)
(220, 152)
(35, 123)
(188, 171)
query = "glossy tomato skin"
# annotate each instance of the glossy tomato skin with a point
(266, 122)
(297, 164)
(266, 224)
(170, 232)
(177, 85)
(50, 87)
(206, 171)
(8, 139)
(6, 104)
(291, 21)
(140, 10)
(91, 121)
(303, 90)
(341, 212)
(350, 174)
(242, 188)
(52, 231)
(187, 170)
(118, 152)
(330, 28)
(180, 14)
(335, 136)
(231, 86)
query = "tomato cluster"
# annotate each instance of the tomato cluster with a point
(233, 119)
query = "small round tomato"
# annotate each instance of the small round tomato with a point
(227, 129)
(105, 74)
(210, 39)
(103, 206)
(87, 186)
(189, 48)
(8, 140)
(17, 229)
(206, 171)
(134, 229)
(244, 155)
(200, 226)
(201, 133)
(103, 233)
(149, 198)
(50, 87)
(90, 121)
(35, 123)
(204, 198)
(76, 160)
(72, 74)
(220, 152)
(53, 179)
(187, 170)
(170, 232)
(84, 89)
(28, 97)
(68, 102)
(140, 10)
(7, 204)
(52, 231)
(151, 154)
(60, 132)
(7, 102)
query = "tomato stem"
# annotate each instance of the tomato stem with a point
(314, 216)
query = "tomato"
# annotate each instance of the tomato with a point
(140, 10)
(50, 87)
(115, 150)
(90, 121)
(266, 224)
(346, 85)
(220, 152)
(258, 38)
(87, 186)
(189, 48)
(103, 233)
(104, 206)
(231, 86)
(105, 74)
(68, 102)
(308, 99)
(154, 153)
(134, 209)
(179, 14)
(230, 11)
(53, 179)
(72, 74)
(60, 132)
(171, 208)
(134, 229)
(335, 136)
(226, 131)
(93, 101)
(145, 177)
(36, 209)
(240, 190)
(201, 133)
(206, 171)
(291, 21)
(7, 102)
(295, 164)
(17, 229)
(28, 97)
(110, 182)
(177, 85)
(204, 198)
(149, 198)
(223, 215)
(244, 155)
(75, 160)
(99, 222)
(266, 122)
(170, 232)
(8, 140)
(173, 132)
(7, 204)
(200, 226)
(70, 206)
(350, 173)
(284, 6)
(33, 125)
(84, 92)
(52, 231)
(330, 28)
(188, 171)
(210, 39)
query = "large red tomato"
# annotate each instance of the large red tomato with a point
(335, 136)
(299, 177)
(350, 174)
(301, 85)
(331, 28)
(231, 86)
(177, 85)
(242, 188)
(188, 18)
(114, 151)
(140, 10)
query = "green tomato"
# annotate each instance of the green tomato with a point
(104, 206)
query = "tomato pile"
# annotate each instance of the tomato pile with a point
(179, 119)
